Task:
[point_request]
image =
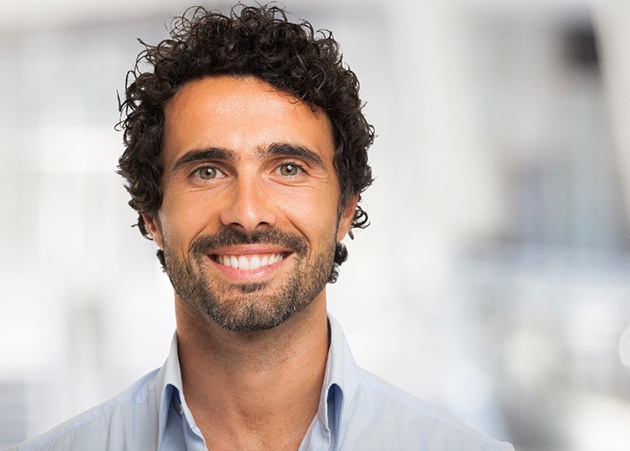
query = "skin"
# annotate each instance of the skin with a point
(257, 389)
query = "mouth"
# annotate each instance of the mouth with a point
(249, 262)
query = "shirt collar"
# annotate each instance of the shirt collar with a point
(341, 381)
(169, 384)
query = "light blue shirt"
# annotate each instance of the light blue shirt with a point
(357, 411)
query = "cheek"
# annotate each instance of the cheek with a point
(186, 216)
(315, 217)
(310, 209)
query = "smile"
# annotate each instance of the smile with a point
(248, 262)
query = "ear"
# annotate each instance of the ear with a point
(347, 215)
(155, 229)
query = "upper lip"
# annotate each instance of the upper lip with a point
(251, 249)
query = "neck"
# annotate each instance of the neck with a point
(253, 389)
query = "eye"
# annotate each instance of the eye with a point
(207, 173)
(289, 169)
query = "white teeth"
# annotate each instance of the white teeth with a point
(243, 262)
(249, 262)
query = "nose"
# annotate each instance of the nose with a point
(249, 206)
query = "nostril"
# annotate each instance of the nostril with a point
(249, 210)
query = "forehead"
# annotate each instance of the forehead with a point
(240, 114)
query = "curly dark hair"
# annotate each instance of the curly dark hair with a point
(250, 41)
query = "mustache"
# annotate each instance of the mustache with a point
(230, 236)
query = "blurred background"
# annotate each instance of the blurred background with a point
(493, 281)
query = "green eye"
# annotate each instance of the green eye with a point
(289, 169)
(207, 173)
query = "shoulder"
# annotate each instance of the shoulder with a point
(386, 417)
(111, 425)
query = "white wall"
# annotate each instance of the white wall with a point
(491, 281)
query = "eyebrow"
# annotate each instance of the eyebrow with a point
(291, 150)
(222, 154)
(200, 155)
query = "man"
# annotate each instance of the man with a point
(246, 157)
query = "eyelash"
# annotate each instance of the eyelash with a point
(197, 172)
(298, 166)
(219, 172)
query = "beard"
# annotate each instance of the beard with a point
(253, 306)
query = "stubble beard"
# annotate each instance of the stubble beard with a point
(247, 307)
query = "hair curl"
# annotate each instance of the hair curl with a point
(250, 41)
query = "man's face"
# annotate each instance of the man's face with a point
(250, 212)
